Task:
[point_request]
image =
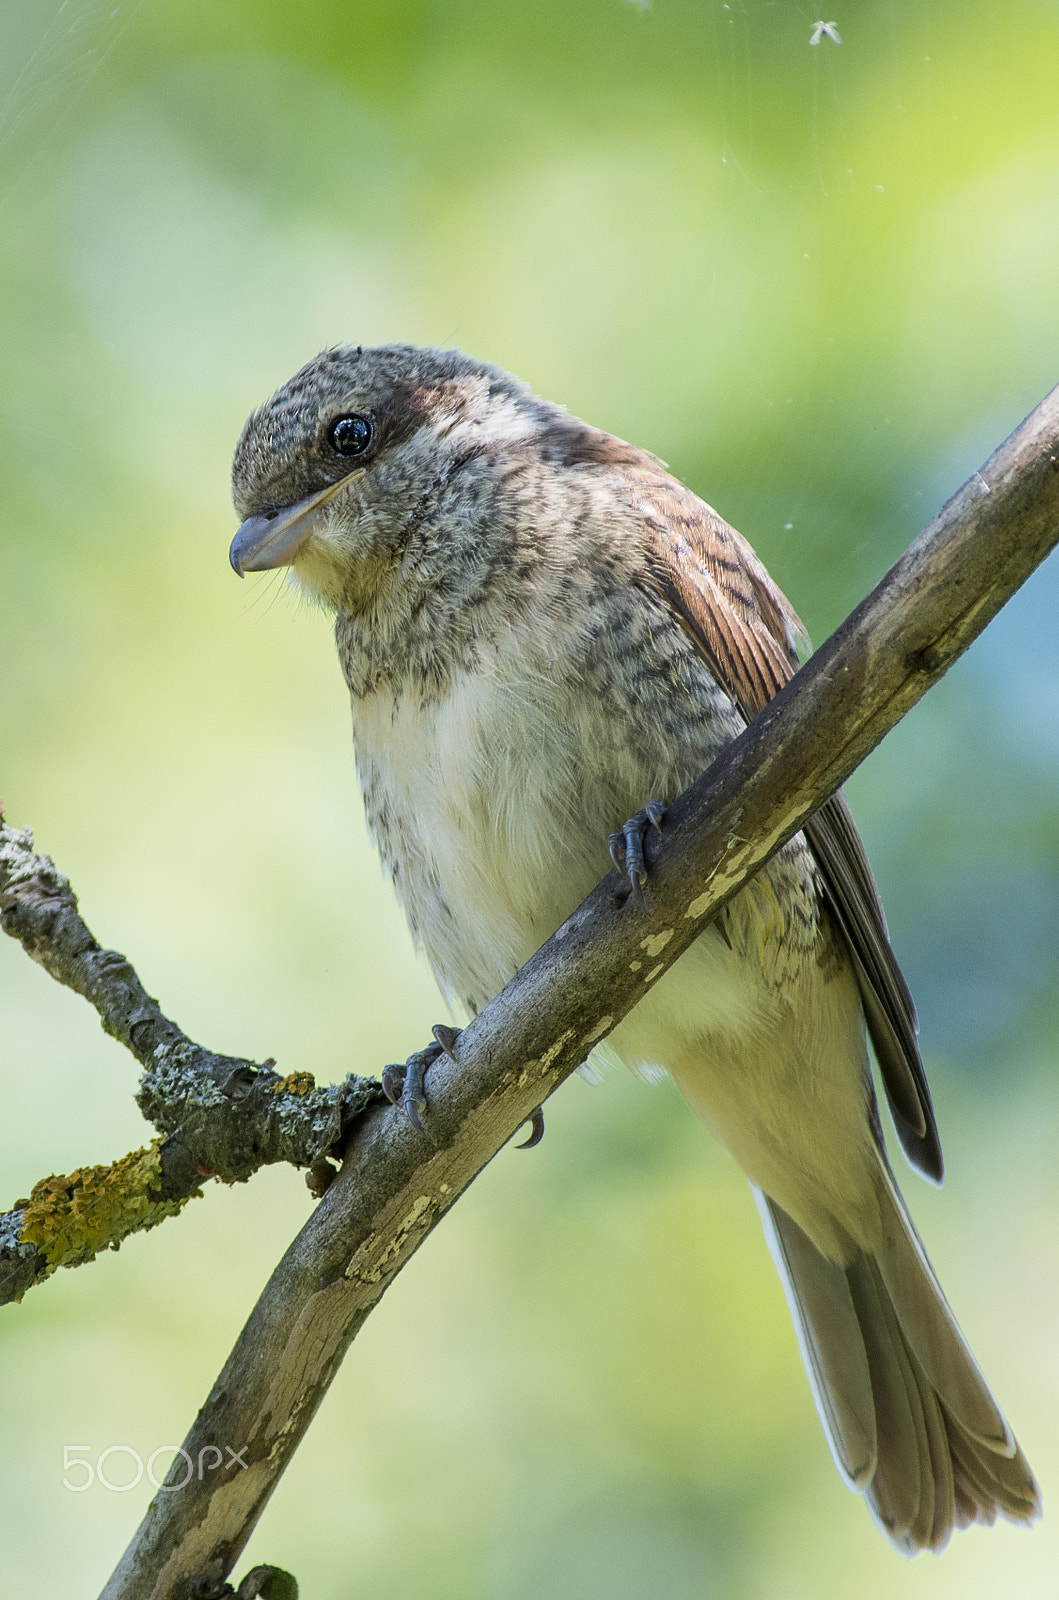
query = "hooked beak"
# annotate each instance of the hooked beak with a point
(274, 540)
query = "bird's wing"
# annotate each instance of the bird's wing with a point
(715, 586)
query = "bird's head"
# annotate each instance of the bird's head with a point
(334, 474)
(336, 471)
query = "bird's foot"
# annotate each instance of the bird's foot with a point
(626, 847)
(403, 1082)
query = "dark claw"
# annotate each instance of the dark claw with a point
(446, 1038)
(626, 848)
(403, 1084)
(411, 1110)
(536, 1121)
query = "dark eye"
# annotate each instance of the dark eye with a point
(350, 436)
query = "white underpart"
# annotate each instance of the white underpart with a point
(500, 834)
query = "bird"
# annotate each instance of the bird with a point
(546, 637)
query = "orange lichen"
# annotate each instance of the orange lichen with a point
(71, 1218)
(295, 1083)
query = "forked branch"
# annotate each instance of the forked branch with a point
(219, 1116)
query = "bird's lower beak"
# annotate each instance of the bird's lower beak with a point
(275, 539)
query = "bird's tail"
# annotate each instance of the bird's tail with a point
(909, 1417)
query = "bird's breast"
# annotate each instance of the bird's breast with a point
(486, 815)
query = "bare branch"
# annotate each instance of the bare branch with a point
(395, 1185)
(221, 1116)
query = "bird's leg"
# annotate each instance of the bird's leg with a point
(626, 847)
(404, 1082)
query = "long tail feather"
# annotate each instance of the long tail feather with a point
(909, 1417)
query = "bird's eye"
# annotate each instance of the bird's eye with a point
(350, 436)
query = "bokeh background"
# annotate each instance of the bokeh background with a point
(821, 283)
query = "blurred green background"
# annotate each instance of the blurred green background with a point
(821, 283)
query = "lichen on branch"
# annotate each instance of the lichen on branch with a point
(72, 1218)
(218, 1116)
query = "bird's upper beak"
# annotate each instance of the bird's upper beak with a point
(274, 540)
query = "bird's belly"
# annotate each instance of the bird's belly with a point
(483, 818)
(494, 832)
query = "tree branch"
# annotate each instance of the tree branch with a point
(220, 1116)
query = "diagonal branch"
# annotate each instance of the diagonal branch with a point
(395, 1186)
(220, 1116)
